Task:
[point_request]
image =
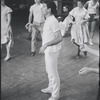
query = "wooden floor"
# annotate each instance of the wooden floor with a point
(23, 76)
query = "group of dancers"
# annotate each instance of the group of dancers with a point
(82, 31)
(41, 19)
(83, 22)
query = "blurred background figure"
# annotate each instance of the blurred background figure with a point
(79, 30)
(64, 14)
(35, 23)
(6, 30)
(93, 10)
(65, 11)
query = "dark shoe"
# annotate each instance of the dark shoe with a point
(32, 53)
(85, 54)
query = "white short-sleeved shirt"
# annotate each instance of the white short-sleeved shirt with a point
(92, 9)
(36, 10)
(50, 27)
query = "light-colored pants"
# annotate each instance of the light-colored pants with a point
(51, 59)
(35, 30)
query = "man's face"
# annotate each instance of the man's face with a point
(2, 2)
(79, 4)
(44, 9)
(37, 1)
(65, 9)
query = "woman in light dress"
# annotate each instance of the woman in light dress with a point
(79, 30)
(6, 31)
(93, 10)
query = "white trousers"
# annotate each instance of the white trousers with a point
(51, 59)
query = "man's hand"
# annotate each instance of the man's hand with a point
(84, 70)
(83, 47)
(27, 25)
(42, 49)
(30, 29)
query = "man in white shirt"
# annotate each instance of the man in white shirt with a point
(36, 25)
(51, 45)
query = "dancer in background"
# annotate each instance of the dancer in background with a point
(6, 30)
(36, 16)
(93, 10)
(51, 45)
(79, 30)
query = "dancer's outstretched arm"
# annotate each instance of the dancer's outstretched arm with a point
(86, 70)
(87, 48)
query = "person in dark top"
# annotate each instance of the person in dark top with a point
(65, 12)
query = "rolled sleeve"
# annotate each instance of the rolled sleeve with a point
(9, 10)
(55, 26)
(31, 9)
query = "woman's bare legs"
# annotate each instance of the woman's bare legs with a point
(78, 52)
(92, 30)
(8, 45)
(93, 24)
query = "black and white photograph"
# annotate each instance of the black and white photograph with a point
(50, 50)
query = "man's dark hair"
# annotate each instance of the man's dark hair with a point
(66, 6)
(81, 1)
(5, 1)
(50, 4)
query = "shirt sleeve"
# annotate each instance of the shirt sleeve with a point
(9, 10)
(31, 8)
(55, 26)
